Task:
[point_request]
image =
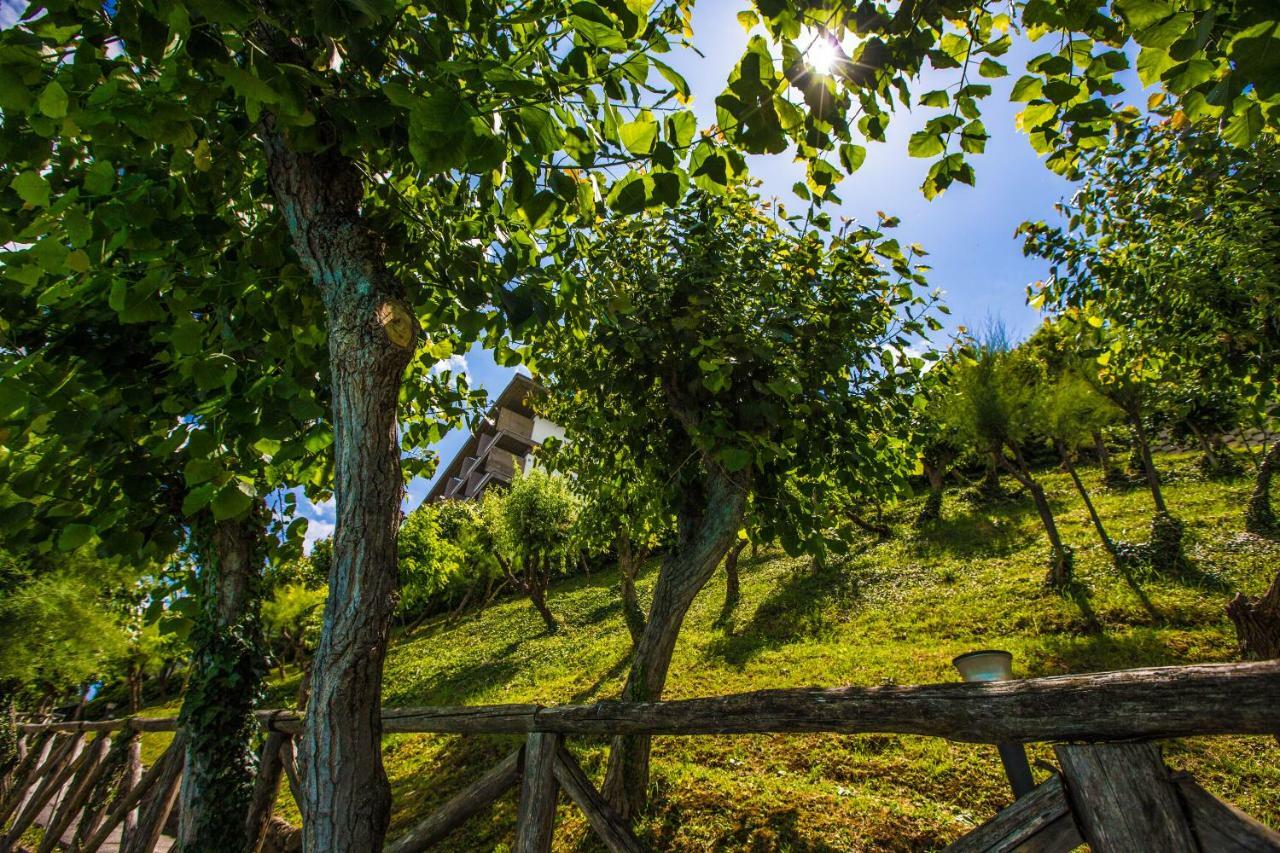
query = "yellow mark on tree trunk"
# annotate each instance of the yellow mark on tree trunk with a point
(396, 323)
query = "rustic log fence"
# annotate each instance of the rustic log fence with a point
(1112, 790)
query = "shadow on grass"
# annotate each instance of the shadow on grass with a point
(454, 686)
(973, 533)
(796, 609)
(461, 761)
(1100, 653)
(619, 666)
(776, 830)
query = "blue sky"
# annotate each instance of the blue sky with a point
(968, 231)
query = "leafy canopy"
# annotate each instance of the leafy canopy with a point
(713, 336)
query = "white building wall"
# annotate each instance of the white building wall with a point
(542, 430)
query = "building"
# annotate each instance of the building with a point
(504, 440)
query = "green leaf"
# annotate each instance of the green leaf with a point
(32, 188)
(234, 499)
(1243, 128)
(53, 100)
(681, 127)
(937, 98)
(73, 536)
(638, 136)
(1027, 88)
(99, 178)
(734, 458)
(852, 157)
(246, 85)
(925, 144)
(199, 471)
(992, 69)
(1143, 13)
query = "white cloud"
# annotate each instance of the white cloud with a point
(455, 364)
(316, 530)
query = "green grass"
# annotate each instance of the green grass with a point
(892, 612)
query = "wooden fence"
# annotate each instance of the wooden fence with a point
(1112, 790)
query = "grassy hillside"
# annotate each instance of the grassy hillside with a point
(894, 612)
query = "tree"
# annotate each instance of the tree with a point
(392, 150)
(430, 561)
(620, 509)
(936, 435)
(715, 350)
(531, 527)
(1214, 59)
(1192, 294)
(998, 410)
(1074, 413)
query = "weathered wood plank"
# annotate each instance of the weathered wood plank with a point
(127, 803)
(290, 759)
(1123, 799)
(26, 774)
(55, 776)
(458, 810)
(607, 823)
(156, 807)
(536, 818)
(1040, 821)
(1221, 827)
(266, 787)
(1203, 699)
(78, 790)
(111, 788)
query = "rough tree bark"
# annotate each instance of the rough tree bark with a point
(346, 797)
(1259, 517)
(1257, 622)
(1148, 466)
(932, 509)
(1084, 496)
(227, 665)
(629, 561)
(707, 526)
(533, 579)
(732, 584)
(1060, 563)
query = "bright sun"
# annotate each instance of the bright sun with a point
(822, 55)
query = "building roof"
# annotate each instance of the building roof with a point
(514, 397)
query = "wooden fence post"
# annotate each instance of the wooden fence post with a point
(266, 787)
(460, 808)
(1123, 799)
(129, 801)
(536, 819)
(607, 823)
(78, 790)
(155, 810)
(56, 774)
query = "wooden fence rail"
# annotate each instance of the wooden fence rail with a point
(1112, 795)
(1173, 701)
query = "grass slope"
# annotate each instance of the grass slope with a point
(894, 612)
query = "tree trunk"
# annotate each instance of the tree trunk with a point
(1258, 516)
(1060, 560)
(628, 565)
(538, 595)
(1148, 467)
(1084, 496)
(732, 585)
(932, 509)
(1210, 455)
(346, 797)
(1257, 622)
(707, 524)
(228, 664)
